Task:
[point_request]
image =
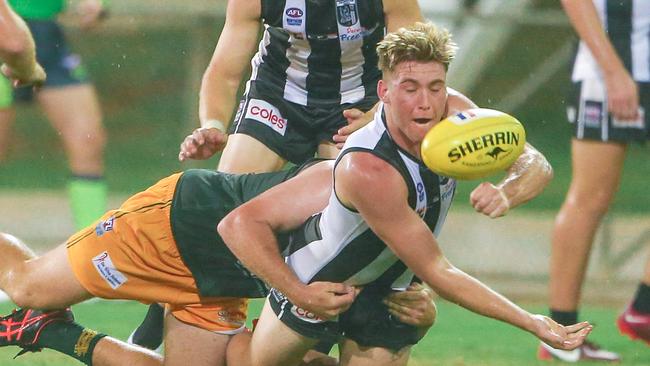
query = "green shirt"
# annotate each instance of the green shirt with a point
(38, 9)
(201, 199)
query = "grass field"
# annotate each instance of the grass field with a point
(459, 337)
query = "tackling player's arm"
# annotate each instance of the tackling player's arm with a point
(249, 232)
(218, 93)
(524, 180)
(622, 91)
(406, 234)
(397, 14)
(17, 49)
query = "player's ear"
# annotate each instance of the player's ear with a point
(382, 91)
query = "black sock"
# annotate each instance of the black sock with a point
(150, 333)
(564, 317)
(641, 301)
(71, 339)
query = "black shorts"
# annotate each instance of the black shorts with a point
(291, 130)
(52, 52)
(587, 111)
(367, 322)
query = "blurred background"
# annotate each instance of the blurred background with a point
(147, 60)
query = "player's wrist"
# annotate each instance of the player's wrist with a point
(214, 123)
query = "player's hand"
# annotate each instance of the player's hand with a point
(356, 119)
(622, 96)
(35, 77)
(559, 336)
(489, 200)
(414, 306)
(202, 144)
(90, 13)
(325, 300)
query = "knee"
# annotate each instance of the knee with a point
(592, 203)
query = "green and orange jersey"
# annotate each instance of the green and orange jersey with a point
(38, 9)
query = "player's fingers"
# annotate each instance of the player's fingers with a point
(577, 327)
(198, 137)
(352, 113)
(339, 138)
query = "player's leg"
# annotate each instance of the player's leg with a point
(246, 154)
(596, 174)
(27, 279)
(595, 179)
(354, 355)
(327, 150)
(186, 344)
(272, 343)
(74, 112)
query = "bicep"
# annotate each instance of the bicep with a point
(238, 38)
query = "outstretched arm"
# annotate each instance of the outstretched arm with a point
(17, 49)
(401, 228)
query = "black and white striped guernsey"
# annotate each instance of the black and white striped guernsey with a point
(337, 245)
(319, 52)
(627, 23)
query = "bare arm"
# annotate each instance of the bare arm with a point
(231, 55)
(279, 209)
(410, 239)
(221, 80)
(524, 180)
(622, 91)
(17, 49)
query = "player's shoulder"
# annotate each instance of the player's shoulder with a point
(457, 101)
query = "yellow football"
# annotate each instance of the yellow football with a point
(473, 144)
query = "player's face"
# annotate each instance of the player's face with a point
(415, 98)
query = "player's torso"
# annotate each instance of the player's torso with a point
(201, 199)
(37, 9)
(628, 26)
(318, 52)
(337, 245)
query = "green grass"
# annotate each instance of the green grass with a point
(459, 337)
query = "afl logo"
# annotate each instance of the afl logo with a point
(294, 13)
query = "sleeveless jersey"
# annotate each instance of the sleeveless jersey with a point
(319, 52)
(38, 9)
(337, 245)
(201, 199)
(628, 26)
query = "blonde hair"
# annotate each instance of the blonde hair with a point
(418, 42)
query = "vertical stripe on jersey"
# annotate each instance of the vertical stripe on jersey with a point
(297, 71)
(351, 38)
(619, 27)
(325, 58)
(641, 40)
(273, 46)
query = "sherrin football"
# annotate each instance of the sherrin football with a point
(473, 144)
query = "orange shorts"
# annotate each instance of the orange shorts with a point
(130, 254)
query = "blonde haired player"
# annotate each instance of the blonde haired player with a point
(381, 222)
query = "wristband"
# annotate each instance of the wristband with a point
(214, 123)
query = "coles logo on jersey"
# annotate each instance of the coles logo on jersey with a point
(266, 113)
(305, 315)
(104, 265)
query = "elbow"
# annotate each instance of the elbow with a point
(227, 226)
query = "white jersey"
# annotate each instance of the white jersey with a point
(337, 245)
(628, 26)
